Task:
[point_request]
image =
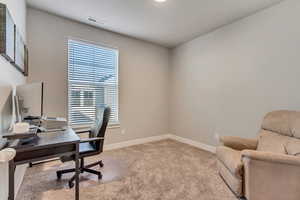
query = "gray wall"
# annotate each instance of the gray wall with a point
(144, 72)
(224, 82)
(9, 78)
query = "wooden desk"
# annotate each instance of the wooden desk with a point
(48, 145)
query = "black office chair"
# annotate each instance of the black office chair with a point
(90, 147)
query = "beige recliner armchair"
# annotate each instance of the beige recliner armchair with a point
(266, 168)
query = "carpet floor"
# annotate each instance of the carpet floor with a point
(164, 170)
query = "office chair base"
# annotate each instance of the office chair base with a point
(82, 169)
(99, 174)
(61, 172)
(101, 164)
(71, 184)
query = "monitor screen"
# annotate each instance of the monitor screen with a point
(6, 108)
(6, 113)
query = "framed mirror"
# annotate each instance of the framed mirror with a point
(7, 34)
(12, 44)
(19, 51)
(26, 70)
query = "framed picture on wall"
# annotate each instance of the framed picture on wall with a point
(12, 45)
(26, 61)
(19, 52)
(7, 34)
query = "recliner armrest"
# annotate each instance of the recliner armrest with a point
(91, 139)
(7, 155)
(274, 175)
(270, 157)
(239, 143)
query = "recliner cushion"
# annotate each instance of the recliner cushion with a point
(293, 147)
(232, 160)
(279, 122)
(272, 142)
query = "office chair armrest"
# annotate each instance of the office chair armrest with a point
(91, 139)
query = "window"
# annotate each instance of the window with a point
(88, 98)
(92, 82)
(76, 97)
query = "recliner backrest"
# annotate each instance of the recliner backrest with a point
(283, 122)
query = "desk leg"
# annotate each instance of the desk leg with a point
(77, 172)
(11, 180)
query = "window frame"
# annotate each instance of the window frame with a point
(111, 125)
(89, 100)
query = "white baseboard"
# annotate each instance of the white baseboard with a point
(199, 145)
(129, 143)
(134, 142)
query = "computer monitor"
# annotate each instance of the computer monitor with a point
(6, 111)
(30, 99)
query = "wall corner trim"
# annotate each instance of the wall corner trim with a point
(194, 143)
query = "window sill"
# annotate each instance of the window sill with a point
(111, 126)
(114, 126)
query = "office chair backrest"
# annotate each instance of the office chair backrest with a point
(99, 128)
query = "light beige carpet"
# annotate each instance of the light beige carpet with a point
(164, 170)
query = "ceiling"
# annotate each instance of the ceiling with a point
(169, 24)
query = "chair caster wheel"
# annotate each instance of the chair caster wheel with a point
(58, 174)
(101, 164)
(99, 176)
(71, 184)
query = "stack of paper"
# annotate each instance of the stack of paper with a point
(54, 123)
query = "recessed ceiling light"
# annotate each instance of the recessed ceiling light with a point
(160, 1)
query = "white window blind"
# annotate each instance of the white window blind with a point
(92, 82)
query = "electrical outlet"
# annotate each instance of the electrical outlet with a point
(123, 131)
(217, 136)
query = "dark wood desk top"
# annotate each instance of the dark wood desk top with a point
(49, 140)
(45, 146)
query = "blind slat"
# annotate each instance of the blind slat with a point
(92, 82)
